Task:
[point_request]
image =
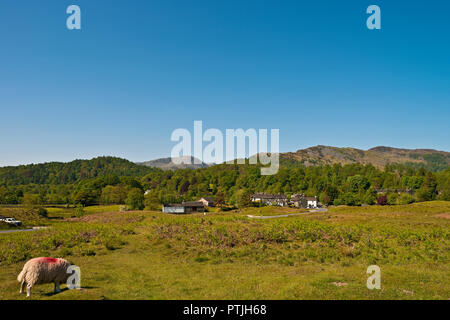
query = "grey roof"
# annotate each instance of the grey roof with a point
(174, 205)
(185, 204)
(263, 195)
(297, 197)
(193, 204)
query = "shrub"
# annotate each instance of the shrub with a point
(350, 199)
(79, 211)
(382, 201)
(406, 198)
(42, 212)
(369, 199)
(392, 198)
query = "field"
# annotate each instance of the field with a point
(226, 255)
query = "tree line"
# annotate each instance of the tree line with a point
(109, 180)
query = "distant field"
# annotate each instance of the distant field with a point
(226, 255)
(54, 212)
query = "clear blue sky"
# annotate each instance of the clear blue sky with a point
(140, 69)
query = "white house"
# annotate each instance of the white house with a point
(311, 202)
(300, 201)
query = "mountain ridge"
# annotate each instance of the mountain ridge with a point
(185, 162)
(378, 156)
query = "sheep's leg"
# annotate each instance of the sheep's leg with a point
(29, 290)
(22, 285)
(57, 289)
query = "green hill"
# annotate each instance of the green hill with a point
(70, 172)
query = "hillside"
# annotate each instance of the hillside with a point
(379, 157)
(70, 172)
(66, 173)
(167, 164)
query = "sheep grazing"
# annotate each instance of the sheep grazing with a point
(43, 270)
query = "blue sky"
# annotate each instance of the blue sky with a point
(140, 69)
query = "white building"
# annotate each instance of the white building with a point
(300, 201)
(311, 202)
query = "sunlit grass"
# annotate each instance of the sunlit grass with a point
(226, 255)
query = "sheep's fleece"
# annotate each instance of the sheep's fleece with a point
(43, 270)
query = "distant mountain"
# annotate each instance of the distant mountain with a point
(379, 157)
(186, 162)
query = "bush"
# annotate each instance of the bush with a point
(369, 199)
(392, 198)
(325, 198)
(406, 198)
(42, 212)
(79, 211)
(348, 199)
(382, 201)
(445, 195)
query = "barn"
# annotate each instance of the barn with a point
(185, 207)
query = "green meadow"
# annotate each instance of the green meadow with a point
(227, 255)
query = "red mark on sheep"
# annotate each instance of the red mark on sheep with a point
(49, 260)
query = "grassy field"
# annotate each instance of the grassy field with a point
(226, 255)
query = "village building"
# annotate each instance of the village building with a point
(185, 207)
(270, 199)
(301, 201)
(207, 201)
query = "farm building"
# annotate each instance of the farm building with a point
(270, 199)
(185, 207)
(207, 201)
(300, 201)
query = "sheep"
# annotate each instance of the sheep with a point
(43, 270)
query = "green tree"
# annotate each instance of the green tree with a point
(85, 197)
(135, 199)
(114, 194)
(242, 197)
(350, 199)
(428, 191)
(325, 198)
(358, 183)
(152, 201)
